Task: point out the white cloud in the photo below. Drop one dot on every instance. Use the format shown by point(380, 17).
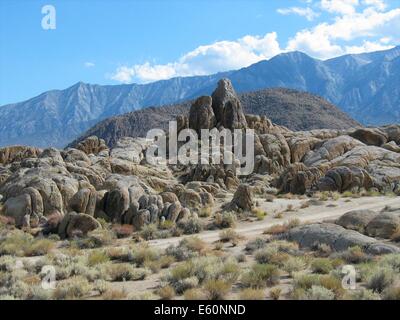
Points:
point(367, 46)
point(89, 64)
point(323, 40)
point(344, 7)
point(207, 59)
point(308, 13)
point(354, 26)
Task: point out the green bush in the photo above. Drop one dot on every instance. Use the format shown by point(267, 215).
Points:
point(321, 265)
point(261, 275)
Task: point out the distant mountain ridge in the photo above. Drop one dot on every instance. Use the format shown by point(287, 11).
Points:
point(287, 107)
point(366, 86)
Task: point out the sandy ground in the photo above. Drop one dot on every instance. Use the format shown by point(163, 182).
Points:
point(329, 210)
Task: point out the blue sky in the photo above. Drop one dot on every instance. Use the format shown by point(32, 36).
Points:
point(125, 41)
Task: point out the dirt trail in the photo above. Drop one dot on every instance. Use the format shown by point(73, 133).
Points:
point(310, 214)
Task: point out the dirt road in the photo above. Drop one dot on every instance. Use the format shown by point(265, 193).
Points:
point(330, 210)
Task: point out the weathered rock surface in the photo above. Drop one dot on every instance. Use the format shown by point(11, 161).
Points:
point(242, 199)
point(338, 238)
point(357, 220)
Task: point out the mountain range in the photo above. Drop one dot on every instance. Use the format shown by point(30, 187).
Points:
point(366, 86)
point(287, 107)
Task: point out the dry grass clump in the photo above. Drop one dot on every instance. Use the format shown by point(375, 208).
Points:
point(230, 235)
point(114, 294)
point(166, 293)
point(149, 232)
point(303, 287)
point(189, 274)
point(22, 244)
point(260, 276)
point(256, 244)
point(143, 254)
point(194, 294)
point(294, 264)
point(355, 255)
point(271, 255)
point(73, 288)
point(188, 248)
point(282, 228)
point(217, 289)
point(97, 257)
point(190, 226)
point(322, 265)
point(380, 279)
point(248, 294)
point(225, 220)
point(392, 292)
point(95, 239)
point(259, 214)
point(275, 293)
point(123, 272)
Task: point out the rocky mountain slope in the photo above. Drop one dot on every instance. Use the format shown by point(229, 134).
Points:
point(364, 85)
point(293, 109)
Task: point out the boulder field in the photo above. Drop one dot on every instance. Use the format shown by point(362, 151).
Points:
point(68, 191)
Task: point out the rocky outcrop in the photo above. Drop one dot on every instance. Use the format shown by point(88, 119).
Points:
point(336, 237)
point(384, 225)
point(370, 136)
point(227, 106)
point(242, 199)
point(201, 115)
point(92, 145)
point(17, 153)
point(357, 220)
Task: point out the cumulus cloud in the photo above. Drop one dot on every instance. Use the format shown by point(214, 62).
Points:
point(308, 13)
point(207, 59)
point(322, 40)
point(353, 26)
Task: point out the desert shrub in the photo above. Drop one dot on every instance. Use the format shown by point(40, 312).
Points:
point(225, 220)
point(95, 239)
point(149, 232)
point(282, 228)
point(248, 294)
point(166, 293)
point(259, 214)
point(142, 296)
point(391, 261)
point(73, 288)
point(143, 254)
point(260, 276)
point(229, 235)
point(123, 272)
point(320, 293)
point(380, 278)
point(294, 264)
point(392, 293)
point(275, 293)
point(190, 226)
point(256, 244)
point(217, 289)
point(20, 243)
point(7, 263)
point(306, 281)
point(123, 231)
point(101, 286)
point(188, 248)
point(321, 265)
point(362, 294)
point(355, 255)
point(167, 225)
point(97, 257)
point(114, 294)
point(271, 255)
point(202, 269)
point(194, 294)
